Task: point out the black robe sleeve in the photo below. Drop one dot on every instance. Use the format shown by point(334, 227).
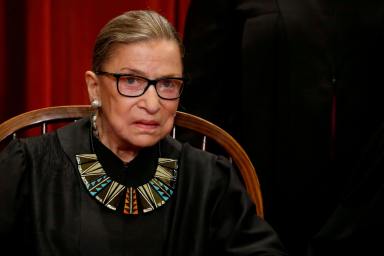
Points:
point(235, 223)
point(13, 193)
point(214, 213)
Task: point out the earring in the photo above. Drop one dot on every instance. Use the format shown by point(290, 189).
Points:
point(94, 127)
point(95, 104)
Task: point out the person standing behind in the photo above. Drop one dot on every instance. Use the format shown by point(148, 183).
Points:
point(298, 83)
point(355, 226)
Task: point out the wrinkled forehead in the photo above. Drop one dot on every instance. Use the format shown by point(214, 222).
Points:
point(144, 50)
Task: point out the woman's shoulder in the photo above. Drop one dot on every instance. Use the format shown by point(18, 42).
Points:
point(192, 153)
point(43, 144)
point(200, 164)
point(30, 153)
point(37, 146)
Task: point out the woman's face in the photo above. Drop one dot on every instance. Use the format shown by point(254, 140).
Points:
point(131, 123)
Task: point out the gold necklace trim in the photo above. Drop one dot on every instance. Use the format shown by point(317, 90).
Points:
point(143, 199)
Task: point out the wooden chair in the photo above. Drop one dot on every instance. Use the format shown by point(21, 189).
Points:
point(210, 133)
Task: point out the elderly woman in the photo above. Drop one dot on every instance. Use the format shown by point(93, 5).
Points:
point(115, 183)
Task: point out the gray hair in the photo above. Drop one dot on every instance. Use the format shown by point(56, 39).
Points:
point(131, 27)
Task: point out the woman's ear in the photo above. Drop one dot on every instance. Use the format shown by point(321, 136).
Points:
point(92, 82)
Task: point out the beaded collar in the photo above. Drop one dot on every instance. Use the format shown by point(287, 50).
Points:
point(141, 186)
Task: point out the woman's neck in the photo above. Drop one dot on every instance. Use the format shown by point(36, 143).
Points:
point(125, 155)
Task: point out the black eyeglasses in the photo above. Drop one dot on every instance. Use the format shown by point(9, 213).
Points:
point(168, 88)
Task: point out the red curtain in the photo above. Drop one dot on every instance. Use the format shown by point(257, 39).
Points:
point(46, 46)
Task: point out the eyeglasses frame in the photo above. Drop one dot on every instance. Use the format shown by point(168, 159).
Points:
point(150, 82)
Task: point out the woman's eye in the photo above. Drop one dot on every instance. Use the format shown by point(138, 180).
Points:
point(131, 80)
point(167, 83)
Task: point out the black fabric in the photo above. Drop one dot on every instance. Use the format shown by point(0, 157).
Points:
point(272, 73)
point(355, 227)
point(136, 173)
point(46, 210)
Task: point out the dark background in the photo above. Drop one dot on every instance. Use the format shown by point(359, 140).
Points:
point(300, 84)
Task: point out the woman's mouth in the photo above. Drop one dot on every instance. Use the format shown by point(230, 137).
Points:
point(147, 125)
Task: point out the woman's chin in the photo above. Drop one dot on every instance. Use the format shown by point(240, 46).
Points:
point(143, 141)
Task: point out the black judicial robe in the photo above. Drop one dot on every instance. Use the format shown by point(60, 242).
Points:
point(356, 225)
point(299, 84)
point(46, 210)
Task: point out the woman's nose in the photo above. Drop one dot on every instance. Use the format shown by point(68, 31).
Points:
point(150, 100)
